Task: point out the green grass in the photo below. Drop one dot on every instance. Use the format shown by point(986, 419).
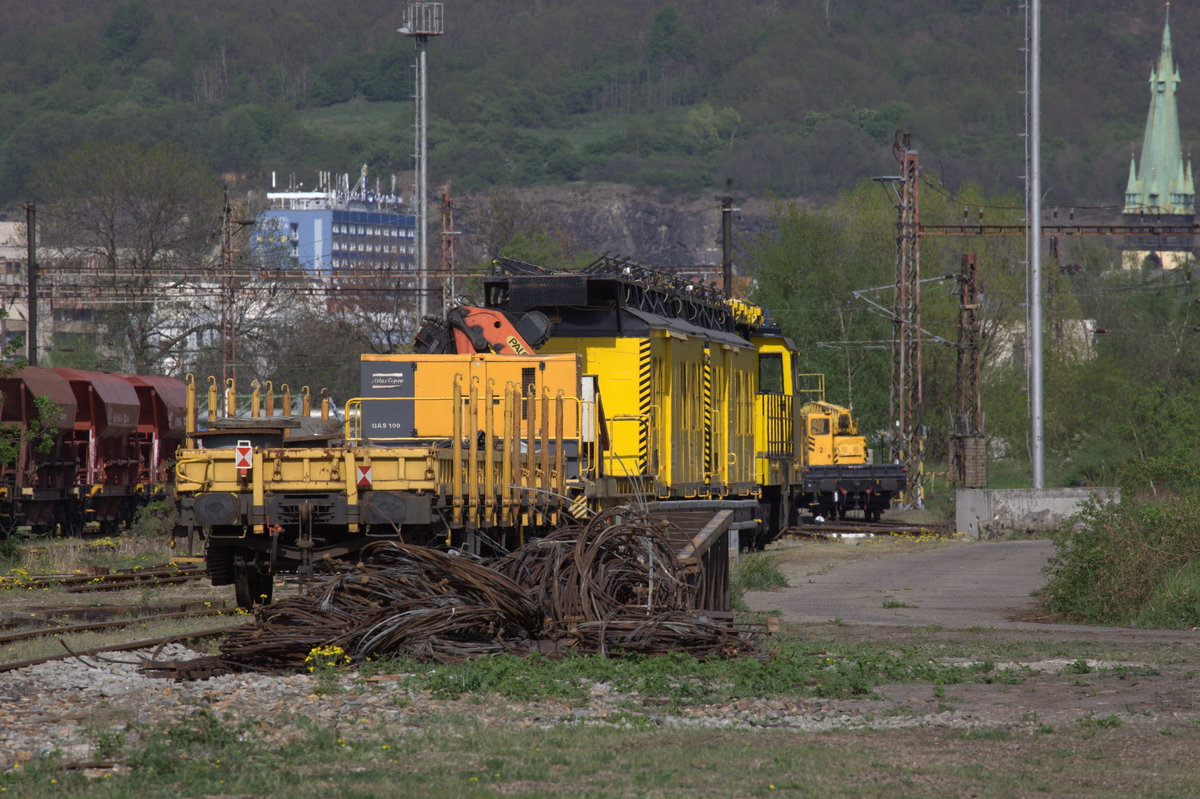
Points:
point(453, 755)
point(1008, 473)
point(799, 667)
point(455, 745)
point(1175, 601)
point(147, 542)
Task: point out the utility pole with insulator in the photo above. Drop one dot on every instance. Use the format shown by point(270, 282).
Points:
point(448, 234)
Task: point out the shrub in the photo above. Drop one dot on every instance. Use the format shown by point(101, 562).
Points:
point(155, 520)
point(1136, 561)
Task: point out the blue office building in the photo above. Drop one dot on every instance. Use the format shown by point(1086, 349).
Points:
point(337, 229)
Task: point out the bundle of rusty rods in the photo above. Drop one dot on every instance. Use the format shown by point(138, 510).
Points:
point(612, 586)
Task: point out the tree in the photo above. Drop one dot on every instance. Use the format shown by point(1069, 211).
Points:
point(670, 40)
point(131, 230)
point(319, 342)
point(38, 432)
point(127, 27)
point(806, 272)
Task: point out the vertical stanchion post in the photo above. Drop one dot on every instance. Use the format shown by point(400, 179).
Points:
point(544, 494)
point(456, 450)
point(190, 423)
point(560, 487)
point(489, 461)
point(473, 454)
point(506, 466)
point(529, 475)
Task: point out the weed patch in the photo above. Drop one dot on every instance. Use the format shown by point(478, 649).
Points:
point(757, 571)
point(796, 668)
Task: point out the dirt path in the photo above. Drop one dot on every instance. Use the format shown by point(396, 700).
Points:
point(962, 585)
point(963, 602)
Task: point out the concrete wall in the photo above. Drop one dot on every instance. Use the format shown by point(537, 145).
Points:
point(989, 514)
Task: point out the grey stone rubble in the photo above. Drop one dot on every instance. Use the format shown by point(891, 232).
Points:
point(68, 707)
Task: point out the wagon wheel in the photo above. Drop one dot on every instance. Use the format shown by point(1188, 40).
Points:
point(251, 585)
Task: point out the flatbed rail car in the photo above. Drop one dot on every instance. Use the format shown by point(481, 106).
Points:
point(511, 461)
point(677, 395)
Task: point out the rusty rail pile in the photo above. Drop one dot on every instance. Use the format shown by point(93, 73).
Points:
point(400, 599)
point(618, 584)
point(612, 586)
point(592, 573)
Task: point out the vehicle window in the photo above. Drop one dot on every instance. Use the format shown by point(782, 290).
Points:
point(770, 373)
point(819, 426)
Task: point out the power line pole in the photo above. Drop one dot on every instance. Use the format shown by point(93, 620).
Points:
point(228, 325)
point(31, 270)
point(228, 289)
point(727, 244)
point(906, 390)
point(968, 463)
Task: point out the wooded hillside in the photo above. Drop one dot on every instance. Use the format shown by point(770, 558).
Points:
point(795, 99)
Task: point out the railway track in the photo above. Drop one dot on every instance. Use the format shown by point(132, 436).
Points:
point(40, 632)
point(123, 646)
point(112, 581)
point(65, 622)
point(107, 622)
point(855, 528)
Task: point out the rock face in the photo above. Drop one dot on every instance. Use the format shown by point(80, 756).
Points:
point(630, 223)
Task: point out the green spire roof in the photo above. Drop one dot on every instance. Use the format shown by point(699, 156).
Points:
point(1162, 183)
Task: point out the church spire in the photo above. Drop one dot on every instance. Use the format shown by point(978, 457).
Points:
point(1162, 183)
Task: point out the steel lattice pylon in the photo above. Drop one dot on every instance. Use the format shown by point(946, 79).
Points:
point(906, 391)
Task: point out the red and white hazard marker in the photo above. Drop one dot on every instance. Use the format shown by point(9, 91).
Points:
point(243, 457)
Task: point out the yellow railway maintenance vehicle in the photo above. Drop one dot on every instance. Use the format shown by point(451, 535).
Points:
point(676, 375)
point(837, 473)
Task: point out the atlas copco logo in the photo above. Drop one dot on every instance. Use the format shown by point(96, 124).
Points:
point(387, 380)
